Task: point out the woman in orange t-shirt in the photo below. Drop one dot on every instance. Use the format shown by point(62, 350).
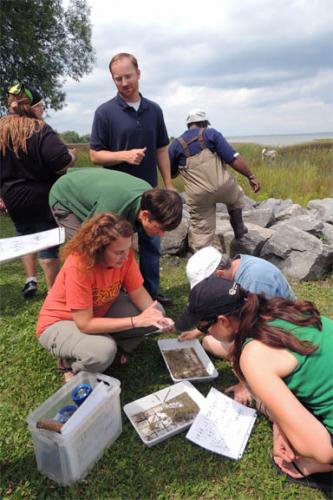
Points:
point(86, 315)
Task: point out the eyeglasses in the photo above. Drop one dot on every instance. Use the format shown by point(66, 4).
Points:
point(18, 88)
point(203, 328)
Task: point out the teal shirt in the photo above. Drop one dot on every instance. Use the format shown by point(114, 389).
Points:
point(89, 191)
point(260, 276)
point(312, 380)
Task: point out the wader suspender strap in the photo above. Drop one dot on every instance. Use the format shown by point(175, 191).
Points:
point(186, 144)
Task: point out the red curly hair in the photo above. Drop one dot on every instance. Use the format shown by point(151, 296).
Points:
point(95, 235)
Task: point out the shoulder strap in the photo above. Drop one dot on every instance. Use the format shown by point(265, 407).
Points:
point(186, 144)
point(201, 139)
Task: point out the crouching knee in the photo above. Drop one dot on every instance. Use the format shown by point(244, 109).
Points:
point(100, 355)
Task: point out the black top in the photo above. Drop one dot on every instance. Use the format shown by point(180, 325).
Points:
point(118, 127)
point(25, 182)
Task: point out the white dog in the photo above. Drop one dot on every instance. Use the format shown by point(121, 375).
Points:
point(270, 154)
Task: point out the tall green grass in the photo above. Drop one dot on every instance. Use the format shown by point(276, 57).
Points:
point(302, 172)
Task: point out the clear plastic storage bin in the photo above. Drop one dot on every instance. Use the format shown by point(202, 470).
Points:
point(68, 457)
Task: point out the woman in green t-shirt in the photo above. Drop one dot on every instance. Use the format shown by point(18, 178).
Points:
point(283, 350)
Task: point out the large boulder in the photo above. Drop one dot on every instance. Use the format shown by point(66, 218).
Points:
point(175, 242)
point(298, 254)
point(276, 205)
point(323, 209)
point(252, 242)
point(258, 216)
point(308, 223)
point(292, 210)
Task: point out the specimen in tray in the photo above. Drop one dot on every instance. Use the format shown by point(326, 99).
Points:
point(184, 363)
point(166, 416)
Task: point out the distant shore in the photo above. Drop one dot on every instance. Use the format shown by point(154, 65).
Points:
point(280, 140)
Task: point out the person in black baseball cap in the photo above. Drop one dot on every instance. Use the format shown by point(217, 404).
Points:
point(210, 298)
point(283, 350)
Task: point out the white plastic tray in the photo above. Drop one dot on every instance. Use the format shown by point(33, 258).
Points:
point(169, 344)
point(153, 400)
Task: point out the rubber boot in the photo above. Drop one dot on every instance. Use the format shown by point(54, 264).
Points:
point(237, 224)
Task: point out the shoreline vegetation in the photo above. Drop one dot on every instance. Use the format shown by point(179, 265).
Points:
point(176, 468)
point(301, 172)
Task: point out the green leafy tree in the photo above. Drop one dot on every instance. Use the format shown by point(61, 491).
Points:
point(70, 137)
point(43, 43)
point(85, 138)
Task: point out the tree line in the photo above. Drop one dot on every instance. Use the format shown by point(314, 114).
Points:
point(72, 137)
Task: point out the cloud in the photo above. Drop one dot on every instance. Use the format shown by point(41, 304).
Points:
point(256, 66)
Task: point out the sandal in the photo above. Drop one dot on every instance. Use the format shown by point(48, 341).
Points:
point(66, 371)
point(122, 358)
point(320, 480)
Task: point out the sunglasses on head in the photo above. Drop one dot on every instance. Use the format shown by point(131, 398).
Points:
point(18, 88)
point(203, 328)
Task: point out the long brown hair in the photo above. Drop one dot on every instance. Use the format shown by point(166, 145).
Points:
point(95, 235)
point(18, 127)
point(254, 324)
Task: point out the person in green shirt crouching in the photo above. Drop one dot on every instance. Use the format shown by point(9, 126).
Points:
point(84, 192)
point(283, 351)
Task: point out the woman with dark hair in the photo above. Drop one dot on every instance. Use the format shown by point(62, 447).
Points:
point(32, 157)
point(86, 315)
point(283, 350)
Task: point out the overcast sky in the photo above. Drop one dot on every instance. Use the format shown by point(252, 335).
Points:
point(256, 66)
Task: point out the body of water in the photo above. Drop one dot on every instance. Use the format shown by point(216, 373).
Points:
point(281, 140)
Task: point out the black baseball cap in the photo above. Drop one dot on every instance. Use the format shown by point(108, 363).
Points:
point(210, 297)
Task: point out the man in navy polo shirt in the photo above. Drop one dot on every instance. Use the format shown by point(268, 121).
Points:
point(199, 155)
point(129, 135)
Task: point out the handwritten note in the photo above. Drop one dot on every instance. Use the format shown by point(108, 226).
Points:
point(11, 248)
point(222, 425)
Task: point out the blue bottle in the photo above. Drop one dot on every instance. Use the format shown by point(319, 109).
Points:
point(65, 413)
point(80, 393)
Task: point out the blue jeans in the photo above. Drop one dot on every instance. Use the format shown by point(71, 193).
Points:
point(149, 256)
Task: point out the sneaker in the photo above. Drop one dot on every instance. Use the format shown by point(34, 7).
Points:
point(30, 289)
point(164, 300)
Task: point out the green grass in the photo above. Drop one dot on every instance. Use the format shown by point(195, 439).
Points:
point(302, 172)
point(174, 469)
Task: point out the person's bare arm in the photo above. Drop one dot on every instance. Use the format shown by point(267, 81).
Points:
point(263, 368)
point(141, 298)
point(87, 323)
point(240, 166)
point(109, 158)
point(163, 163)
point(189, 335)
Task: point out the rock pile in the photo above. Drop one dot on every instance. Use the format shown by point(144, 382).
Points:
point(297, 240)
